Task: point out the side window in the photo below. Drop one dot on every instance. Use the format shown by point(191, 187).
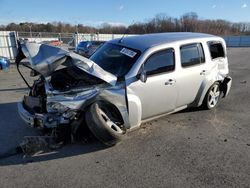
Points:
point(192, 54)
point(216, 50)
point(160, 62)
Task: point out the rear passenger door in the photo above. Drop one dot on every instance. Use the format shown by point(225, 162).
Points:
point(191, 74)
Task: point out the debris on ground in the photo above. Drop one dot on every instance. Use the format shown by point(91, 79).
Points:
point(34, 145)
point(50, 141)
point(243, 82)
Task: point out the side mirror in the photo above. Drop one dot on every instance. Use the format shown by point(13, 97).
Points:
point(4, 63)
point(143, 76)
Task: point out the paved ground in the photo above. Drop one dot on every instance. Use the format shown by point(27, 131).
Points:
point(187, 149)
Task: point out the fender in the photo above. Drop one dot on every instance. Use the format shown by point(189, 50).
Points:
point(135, 111)
point(117, 98)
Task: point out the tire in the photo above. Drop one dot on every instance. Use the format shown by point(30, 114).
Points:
point(212, 97)
point(101, 125)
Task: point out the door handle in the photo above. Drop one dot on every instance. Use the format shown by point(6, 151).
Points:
point(203, 72)
point(170, 82)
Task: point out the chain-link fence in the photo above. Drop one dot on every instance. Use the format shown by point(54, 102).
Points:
point(8, 40)
point(46, 37)
point(237, 41)
point(70, 39)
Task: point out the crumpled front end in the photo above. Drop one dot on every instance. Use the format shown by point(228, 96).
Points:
point(38, 120)
point(66, 86)
point(36, 112)
point(66, 107)
point(55, 110)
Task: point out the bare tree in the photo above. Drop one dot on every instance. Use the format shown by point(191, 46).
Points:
point(188, 22)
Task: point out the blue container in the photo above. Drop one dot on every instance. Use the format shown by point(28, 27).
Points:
point(4, 63)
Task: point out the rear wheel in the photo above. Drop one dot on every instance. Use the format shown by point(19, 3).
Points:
point(212, 97)
point(103, 124)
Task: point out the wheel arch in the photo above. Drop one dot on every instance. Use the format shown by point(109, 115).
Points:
point(102, 125)
point(205, 86)
point(118, 111)
point(112, 108)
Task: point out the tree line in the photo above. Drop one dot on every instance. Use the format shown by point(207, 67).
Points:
point(189, 22)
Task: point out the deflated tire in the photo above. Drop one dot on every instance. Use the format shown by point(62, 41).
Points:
point(102, 124)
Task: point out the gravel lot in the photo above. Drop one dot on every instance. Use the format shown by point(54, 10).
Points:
point(187, 149)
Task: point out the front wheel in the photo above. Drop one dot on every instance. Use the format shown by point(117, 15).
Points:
point(212, 97)
point(103, 125)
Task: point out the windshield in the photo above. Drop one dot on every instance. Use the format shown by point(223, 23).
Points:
point(115, 59)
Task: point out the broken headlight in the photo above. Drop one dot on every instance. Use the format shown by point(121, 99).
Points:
point(69, 114)
point(56, 107)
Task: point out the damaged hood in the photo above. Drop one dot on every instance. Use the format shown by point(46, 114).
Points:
point(45, 59)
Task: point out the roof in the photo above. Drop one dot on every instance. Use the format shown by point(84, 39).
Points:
point(143, 42)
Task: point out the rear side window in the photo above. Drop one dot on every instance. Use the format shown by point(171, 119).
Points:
point(216, 50)
point(192, 54)
point(160, 62)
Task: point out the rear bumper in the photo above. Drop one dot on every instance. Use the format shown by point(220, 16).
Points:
point(226, 85)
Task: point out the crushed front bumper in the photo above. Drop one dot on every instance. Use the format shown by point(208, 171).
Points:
point(40, 120)
point(27, 117)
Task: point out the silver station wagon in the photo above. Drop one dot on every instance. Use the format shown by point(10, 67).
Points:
point(126, 82)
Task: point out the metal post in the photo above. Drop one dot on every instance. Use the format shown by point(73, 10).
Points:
point(76, 28)
point(30, 31)
point(16, 44)
point(76, 39)
point(30, 26)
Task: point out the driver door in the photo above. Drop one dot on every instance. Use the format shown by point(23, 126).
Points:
point(158, 93)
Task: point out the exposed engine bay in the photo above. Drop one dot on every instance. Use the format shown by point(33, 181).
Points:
point(72, 78)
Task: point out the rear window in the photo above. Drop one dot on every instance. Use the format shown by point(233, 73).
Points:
point(192, 54)
point(216, 50)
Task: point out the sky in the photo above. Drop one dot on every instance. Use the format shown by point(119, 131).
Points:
point(118, 12)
